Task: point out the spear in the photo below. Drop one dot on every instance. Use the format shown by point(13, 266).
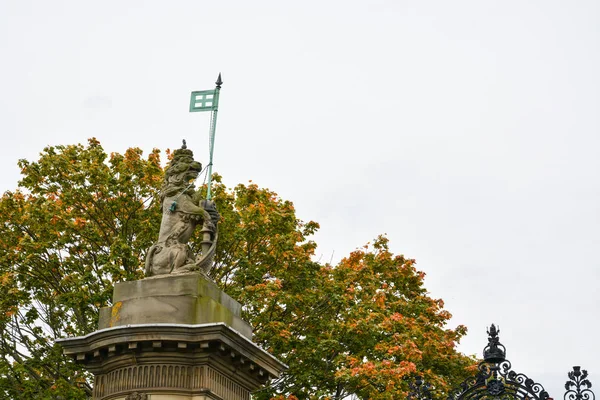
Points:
point(208, 100)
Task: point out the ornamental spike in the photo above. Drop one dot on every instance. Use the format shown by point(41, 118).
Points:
point(219, 82)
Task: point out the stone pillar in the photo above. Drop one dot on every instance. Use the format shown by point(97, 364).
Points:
point(175, 337)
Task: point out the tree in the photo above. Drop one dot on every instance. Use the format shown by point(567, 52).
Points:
point(82, 220)
point(365, 326)
point(78, 223)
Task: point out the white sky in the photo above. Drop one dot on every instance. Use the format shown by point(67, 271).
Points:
point(468, 131)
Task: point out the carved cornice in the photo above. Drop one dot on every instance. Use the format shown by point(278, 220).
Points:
point(105, 350)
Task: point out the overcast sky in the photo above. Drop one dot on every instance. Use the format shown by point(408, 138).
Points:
point(468, 131)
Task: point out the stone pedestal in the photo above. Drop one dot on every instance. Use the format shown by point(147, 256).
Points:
point(172, 338)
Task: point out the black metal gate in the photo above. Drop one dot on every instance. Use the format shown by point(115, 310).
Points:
point(496, 380)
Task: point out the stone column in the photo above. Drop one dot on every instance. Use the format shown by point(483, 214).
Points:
point(175, 337)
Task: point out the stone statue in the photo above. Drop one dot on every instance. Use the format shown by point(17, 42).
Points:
point(182, 210)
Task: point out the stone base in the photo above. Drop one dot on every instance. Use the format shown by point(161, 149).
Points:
point(168, 361)
point(175, 299)
point(177, 337)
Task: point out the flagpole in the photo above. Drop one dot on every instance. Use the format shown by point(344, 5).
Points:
point(213, 128)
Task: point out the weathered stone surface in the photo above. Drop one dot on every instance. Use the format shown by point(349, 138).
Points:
point(177, 337)
point(174, 299)
point(183, 209)
point(180, 361)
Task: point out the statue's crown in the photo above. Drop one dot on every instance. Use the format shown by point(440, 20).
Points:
point(182, 152)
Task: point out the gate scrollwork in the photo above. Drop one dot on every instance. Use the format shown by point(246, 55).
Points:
point(495, 380)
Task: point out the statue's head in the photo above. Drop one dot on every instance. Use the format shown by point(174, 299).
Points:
point(181, 172)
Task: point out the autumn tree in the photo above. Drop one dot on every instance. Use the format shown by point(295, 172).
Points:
point(81, 220)
point(77, 224)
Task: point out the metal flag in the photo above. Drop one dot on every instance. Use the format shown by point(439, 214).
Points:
point(204, 100)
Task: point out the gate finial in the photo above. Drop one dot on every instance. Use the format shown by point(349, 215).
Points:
point(578, 386)
point(494, 352)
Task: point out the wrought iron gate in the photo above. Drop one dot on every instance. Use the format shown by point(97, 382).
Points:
point(496, 380)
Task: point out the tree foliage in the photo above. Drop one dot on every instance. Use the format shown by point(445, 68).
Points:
point(81, 220)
